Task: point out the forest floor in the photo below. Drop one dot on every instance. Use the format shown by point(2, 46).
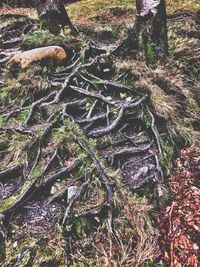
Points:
point(105, 173)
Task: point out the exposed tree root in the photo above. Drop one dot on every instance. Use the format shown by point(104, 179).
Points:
point(106, 183)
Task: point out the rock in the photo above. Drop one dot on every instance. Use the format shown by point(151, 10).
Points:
point(15, 244)
point(49, 55)
point(53, 190)
point(71, 192)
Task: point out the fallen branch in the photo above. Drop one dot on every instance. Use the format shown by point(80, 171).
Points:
point(73, 104)
point(94, 211)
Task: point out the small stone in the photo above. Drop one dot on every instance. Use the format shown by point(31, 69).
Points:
point(128, 98)
point(71, 192)
point(122, 95)
point(106, 70)
point(53, 190)
point(195, 246)
point(15, 244)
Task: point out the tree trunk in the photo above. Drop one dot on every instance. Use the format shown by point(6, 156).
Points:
point(53, 15)
point(151, 29)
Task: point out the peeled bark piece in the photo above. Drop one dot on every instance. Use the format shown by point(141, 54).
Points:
point(151, 29)
point(49, 55)
point(53, 15)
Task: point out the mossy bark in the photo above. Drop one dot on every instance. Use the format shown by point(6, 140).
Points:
point(151, 29)
point(53, 15)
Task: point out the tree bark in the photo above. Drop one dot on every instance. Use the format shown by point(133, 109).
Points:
point(53, 15)
point(151, 29)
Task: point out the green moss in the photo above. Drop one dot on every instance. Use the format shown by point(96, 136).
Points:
point(166, 197)
point(168, 154)
point(42, 37)
point(24, 258)
point(6, 203)
point(36, 249)
point(50, 24)
point(151, 57)
point(23, 115)
point(38, 170)
point(67, 134)
point(2, 121)
point(21, 118)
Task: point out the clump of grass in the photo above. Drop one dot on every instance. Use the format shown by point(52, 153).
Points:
point(134, 228)
point(166, 106)
point(87, 10)
point(26, 84)
point(182, 6)
point(13, 148)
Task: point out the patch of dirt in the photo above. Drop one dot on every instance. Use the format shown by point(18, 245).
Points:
point(11, 186)
point(139, 170)
point(38, 216)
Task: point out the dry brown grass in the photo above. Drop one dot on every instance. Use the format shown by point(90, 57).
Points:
point(88, 10)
